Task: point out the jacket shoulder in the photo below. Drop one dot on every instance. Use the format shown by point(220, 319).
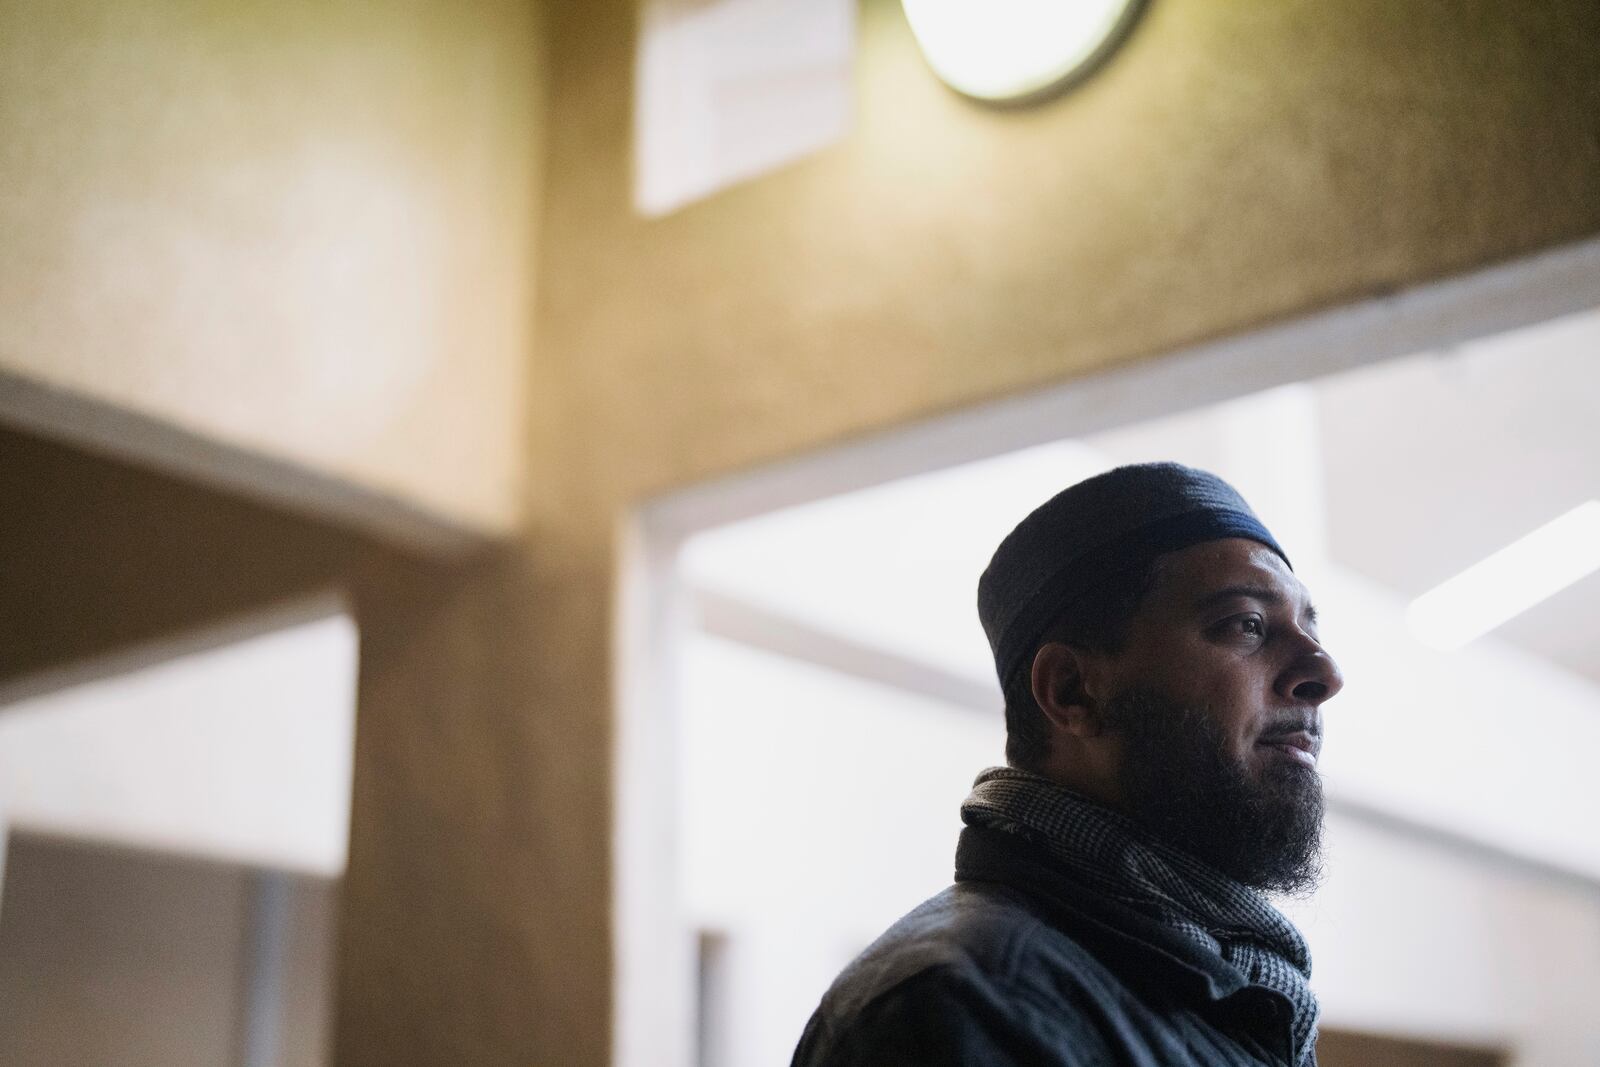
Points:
point(975, 963)
point(981, 928)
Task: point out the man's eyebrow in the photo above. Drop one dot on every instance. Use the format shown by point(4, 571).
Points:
point(1265, 594)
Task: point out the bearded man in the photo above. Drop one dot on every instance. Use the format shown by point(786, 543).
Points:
point(1163, 682)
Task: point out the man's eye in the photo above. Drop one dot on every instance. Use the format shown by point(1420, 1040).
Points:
point(1251, 624)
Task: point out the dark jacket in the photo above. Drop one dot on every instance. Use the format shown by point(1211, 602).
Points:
point(1017, 965)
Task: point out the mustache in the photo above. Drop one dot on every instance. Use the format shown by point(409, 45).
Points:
point(1291, 722)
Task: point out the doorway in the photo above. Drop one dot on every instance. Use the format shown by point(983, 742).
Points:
point(690, 628)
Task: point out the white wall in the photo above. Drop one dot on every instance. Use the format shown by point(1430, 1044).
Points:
point(1414, 937)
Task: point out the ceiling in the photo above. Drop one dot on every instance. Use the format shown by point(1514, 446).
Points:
point(1432, 463)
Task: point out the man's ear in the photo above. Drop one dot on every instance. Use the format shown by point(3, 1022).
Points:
point(1064, 684)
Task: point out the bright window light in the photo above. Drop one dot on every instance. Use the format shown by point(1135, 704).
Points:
point(1511, 581)
point(1009, 50)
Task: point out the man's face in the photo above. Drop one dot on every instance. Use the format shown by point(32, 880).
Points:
point(1216, 702)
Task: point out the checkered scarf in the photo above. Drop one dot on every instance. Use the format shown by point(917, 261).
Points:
point(1108, 854)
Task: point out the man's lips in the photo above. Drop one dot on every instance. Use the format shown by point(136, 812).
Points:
point(1302, 746)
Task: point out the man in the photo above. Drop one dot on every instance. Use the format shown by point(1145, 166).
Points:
point(1163, 680)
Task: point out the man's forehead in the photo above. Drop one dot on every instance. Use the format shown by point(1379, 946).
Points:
point(1192, 575)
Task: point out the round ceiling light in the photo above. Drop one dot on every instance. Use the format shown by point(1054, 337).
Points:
point(1015, 51)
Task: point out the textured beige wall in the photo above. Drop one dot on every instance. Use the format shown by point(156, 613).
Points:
point(1237, 162)
point(303, 229)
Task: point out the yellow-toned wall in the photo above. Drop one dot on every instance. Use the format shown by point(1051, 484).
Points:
point(1237, 162)
point(302, 229)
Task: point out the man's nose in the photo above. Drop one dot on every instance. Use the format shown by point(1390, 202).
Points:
point(1313, 677)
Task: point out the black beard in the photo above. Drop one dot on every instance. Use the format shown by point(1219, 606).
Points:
point(1180, 782)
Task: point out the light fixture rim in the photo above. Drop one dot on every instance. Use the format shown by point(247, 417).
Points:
point(1119, 32)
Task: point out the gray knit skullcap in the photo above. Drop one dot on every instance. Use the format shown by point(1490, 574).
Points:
point(1098, 531)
